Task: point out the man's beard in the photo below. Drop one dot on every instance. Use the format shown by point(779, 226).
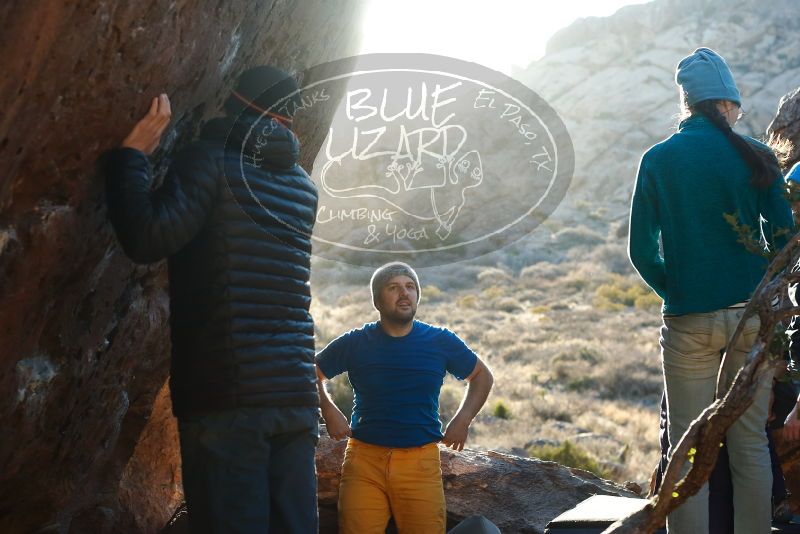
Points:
point(400, 317)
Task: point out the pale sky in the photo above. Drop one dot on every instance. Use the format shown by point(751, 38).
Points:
point(493, 33)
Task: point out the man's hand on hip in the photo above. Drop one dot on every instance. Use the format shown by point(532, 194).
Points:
point(146, 135)
point(455, 436)
point(336, 423)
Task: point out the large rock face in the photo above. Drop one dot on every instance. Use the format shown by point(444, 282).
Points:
point(84, 351)
point(612, 81)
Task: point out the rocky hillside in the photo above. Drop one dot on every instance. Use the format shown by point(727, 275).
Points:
point(612, 81)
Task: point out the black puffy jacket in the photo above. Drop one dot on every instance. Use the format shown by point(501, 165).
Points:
point(237, 232)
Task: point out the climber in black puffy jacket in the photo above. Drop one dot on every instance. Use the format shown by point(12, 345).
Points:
point(234, 218)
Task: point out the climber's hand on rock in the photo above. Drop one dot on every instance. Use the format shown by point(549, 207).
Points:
point(456, 434)
point(146, 135)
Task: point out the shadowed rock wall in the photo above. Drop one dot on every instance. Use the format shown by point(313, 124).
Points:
point(84, 351)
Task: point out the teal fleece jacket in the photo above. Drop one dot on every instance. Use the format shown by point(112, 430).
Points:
point(685, 186)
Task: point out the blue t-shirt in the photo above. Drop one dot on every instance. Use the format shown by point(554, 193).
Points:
point(397, 380)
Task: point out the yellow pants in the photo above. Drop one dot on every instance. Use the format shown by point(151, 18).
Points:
point(381, 482)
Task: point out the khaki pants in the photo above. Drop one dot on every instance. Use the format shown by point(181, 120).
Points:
point(381, 482)
point(691, 348)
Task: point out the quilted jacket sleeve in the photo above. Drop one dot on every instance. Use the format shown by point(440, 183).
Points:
point(154, 224)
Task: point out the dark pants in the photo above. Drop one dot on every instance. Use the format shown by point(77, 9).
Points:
point(251, 470)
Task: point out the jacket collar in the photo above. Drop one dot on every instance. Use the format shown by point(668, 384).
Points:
point(261, 141)
point(695, 122)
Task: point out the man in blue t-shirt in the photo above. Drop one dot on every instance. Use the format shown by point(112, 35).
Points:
point(396, 367)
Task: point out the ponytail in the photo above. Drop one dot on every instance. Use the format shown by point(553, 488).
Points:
point(762, 162)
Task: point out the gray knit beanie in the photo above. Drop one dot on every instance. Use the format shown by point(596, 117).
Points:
point(386, 272)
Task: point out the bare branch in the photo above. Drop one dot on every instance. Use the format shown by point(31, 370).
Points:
point(780, 315)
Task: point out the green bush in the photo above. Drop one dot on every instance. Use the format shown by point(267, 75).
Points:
point(569, 455)
point(622, 293)
point(500, 410)
point(648, 302)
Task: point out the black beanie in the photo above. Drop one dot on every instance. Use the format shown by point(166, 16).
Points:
point(260, 88)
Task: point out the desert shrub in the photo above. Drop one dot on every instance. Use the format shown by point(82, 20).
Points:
point(614, 257)
point(578, 236)
point(573, 366)
point(501, 410)
point(575, 282)
point(530, 251)
point(519, 351)
point(569, 455)
point(468, 301)
point(633, 381)
point(452, 276)
point(540, 309)
point(493, 276)
point(648, 301)
point(508, 304)
point(432, 293)
point(493, 292)
point(566, 372)
point(549, 409)
point(622, 293)
point(578, 354)
point(544, 270)
point(581, 383)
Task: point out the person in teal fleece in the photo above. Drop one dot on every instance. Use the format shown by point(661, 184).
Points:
point(688, 189)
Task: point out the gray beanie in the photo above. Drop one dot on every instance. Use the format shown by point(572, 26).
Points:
point(704, 75)
point(386, 272)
